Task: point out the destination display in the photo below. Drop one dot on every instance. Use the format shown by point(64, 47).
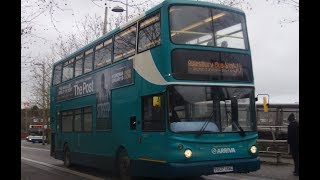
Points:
point(211, 65)
point(214, 68)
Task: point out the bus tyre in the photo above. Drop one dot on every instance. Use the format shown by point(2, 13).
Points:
point(66, 159)
point(123, 164)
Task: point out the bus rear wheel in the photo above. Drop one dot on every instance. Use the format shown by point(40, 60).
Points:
point(66, 159)
point(123, 164)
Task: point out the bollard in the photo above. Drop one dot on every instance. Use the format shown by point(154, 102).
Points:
point(278, 156)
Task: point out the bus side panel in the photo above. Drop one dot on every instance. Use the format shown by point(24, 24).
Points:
point(124, 106)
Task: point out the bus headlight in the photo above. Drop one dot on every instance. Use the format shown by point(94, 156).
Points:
point(253, 149)
point(188, 153)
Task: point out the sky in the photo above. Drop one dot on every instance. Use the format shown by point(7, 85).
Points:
point(274, 46)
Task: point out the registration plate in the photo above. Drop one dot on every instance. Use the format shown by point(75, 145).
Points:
point(223, 169)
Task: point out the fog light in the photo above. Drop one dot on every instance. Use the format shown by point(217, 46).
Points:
point(188, 153)
point(253, 149)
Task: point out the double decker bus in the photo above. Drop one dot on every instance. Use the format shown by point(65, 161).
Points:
point(168, 94)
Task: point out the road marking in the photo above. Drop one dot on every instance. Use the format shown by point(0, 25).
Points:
point(240, 177)
point(35, 148)
point(227, 177)
point(64, 169)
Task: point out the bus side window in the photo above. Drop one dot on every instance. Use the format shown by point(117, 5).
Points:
point(57, 74)
point(153, 113)
point(149, 33)
point(88, 59)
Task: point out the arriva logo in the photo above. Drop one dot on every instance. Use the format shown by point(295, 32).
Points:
point(222, 150)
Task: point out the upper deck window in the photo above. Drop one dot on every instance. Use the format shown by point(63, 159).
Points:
point(67, 70)
point(125, 43)
point(149, 33)
point(88, 61)
point(103, 54)
point(57, 74)
point(78, 65)
point(205, 26)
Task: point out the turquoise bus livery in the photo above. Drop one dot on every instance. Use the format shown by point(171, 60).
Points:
point(168, 94)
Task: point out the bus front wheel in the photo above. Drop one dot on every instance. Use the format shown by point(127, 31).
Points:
point(66, 159)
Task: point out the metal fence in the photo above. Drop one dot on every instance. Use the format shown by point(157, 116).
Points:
point(272, 129)
point(273, 124)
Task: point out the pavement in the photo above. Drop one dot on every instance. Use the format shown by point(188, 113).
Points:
point(273, 160)
point(270, 169)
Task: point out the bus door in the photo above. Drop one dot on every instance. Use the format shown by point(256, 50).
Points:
point(64, 128)
point(153, 127)
point(134, 125)
point(57, 131)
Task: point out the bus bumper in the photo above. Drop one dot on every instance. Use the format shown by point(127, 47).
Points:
point(192, 169)
point(37, 140)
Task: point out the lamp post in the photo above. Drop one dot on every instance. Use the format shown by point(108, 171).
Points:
point(115, 9)
point(126, 10)
point(43, 100)
point(26, 106)
point(105, 24)
point(120, 9)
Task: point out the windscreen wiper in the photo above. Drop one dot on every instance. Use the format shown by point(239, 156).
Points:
point(200, 132)
point(234, 114)
point(236, 123)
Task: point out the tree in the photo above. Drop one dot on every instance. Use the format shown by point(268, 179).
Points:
point(33, 9)
point(40, 90)
point(294, 4)
point(87, 30)
point(242, 4)
point(63, 47)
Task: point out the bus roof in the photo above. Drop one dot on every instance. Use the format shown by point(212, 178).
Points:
point(204, 3)
point(127, 24)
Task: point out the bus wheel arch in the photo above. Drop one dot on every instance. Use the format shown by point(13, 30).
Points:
point(122, 164)
point(66, 155)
